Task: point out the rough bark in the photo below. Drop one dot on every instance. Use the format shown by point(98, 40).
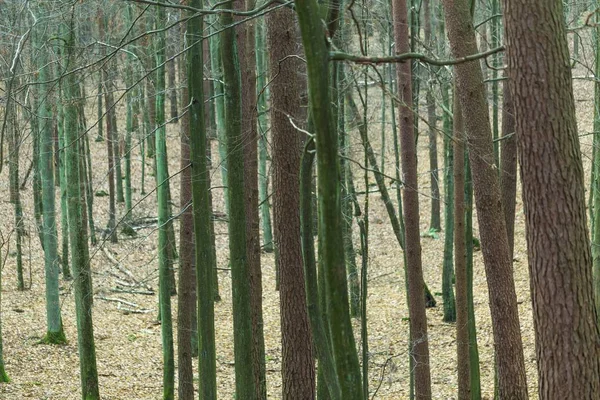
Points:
point(418, 319)
point(298, 372)
point(246, 46)
point(186, 292)
point(492, 227)
point(560, 264)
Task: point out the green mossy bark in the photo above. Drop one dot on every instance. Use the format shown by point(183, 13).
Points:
point(51, 259)
point(327, 384)
point(164, 255)
point(448, 265)
point(330, 213)
point(200, 176)
point(80, 259)
point(242, 316)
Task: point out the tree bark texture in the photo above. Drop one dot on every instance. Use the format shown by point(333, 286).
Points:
point(560, 263)
point(419, 345)
point(298, 371)
point(492, 227)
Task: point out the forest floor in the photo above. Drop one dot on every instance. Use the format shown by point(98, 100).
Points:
point(128, 344)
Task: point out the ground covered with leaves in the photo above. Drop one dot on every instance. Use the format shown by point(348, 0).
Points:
point(127, 333)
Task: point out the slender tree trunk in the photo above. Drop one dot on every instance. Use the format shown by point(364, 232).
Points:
point(246, 45)
point(328, 385)
point(186, 293)
point(55, 333)
point(80, 260)
point(112, 208)
point(240, 271)
point(508, 165)
point(298, 372)
point(3, 375)
point(99, 137)
point(262, 108)
point(560, 263)
point(172, 73)
point(216, 68)
point(460, 265)
point(434, 222)
point(330, 226)
point(164, 255)
point(200, 179)
point(416, 305)
point(496, 251)
point(14, 147)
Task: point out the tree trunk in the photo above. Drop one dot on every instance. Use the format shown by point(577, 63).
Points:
point(262, 108)
point(55, 333)
point(240, 272)
point(330, 226)
point(80, 259)
point(560, 263)
point(164, 255)
point(200, 179)
point(460, 256)
point(508, 165)
point(416, 307)
point(186, 293)
point(434, 222)
point(298, 372)
point(496, 252)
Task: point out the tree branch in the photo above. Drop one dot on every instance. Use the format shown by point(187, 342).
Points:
point(339, 56)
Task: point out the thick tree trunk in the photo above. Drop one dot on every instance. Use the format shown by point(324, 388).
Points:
point(492, 227)
point(330, 226)
point(418, 319)
point(560, 263)
point(298, 372)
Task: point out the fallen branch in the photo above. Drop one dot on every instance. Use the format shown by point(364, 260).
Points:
point(120, 301)
point(124, 270)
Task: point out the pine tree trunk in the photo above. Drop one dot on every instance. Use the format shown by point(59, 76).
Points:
point(416, 305)
point(246, 46)
point(186, 293)
point(298, 372)
point(496, 252)
point(560, 262)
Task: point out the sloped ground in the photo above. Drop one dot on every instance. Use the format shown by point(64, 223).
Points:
point(129, 347)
